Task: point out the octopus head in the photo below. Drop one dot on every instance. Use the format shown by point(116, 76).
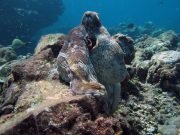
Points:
point(91, 20)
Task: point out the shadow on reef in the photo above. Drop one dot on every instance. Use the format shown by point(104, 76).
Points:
point(34, 101)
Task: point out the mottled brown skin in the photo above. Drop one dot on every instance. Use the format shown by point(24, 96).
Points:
point(110, 67)
point(92, 39)
point(74, 56)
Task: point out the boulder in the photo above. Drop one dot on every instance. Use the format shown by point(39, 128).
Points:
point(68, 115)
point(54, 41)
point(164, 70)
point(136, 31)
point(148, 46)
point(19, 75)
point(127, 45)
point(6, 54)
point(151, 45)
point(171, 37)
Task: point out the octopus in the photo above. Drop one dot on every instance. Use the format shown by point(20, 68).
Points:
point(92, 61)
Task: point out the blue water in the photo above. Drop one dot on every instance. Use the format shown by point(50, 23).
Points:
point(24, 18)
point(163, 13)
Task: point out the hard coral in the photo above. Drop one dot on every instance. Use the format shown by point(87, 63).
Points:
point(164, 70)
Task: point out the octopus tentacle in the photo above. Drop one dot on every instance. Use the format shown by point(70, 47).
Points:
point(80, 71)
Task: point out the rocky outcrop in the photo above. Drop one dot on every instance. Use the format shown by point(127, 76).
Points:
point(22, 73)
point(147, 108)
point(70, 115)
point(165, 70)
point(6, 54)
point(34, 101)
point(171, 37)
point(54, 41)
point(148, 46)
point(136, 31)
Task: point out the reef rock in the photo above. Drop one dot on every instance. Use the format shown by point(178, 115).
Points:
point(166, 41)
point(165, 70)
point(54, 41)
point(148, 46)
point(153, 45)
point(135, 31)
point(34, 100)
point(63, 115)
point(5, 69)
point(171, 37)
point(20, 74)
point(6, 54)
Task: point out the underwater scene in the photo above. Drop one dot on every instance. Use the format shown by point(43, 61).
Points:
point(97, 67)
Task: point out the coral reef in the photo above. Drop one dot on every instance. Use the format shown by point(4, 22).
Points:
point(135, 31)
point(23, 18)
point(147, 108)
point(69, 116)
point(148, 46)
point(165, 70)
point(151, 98)
point(35, 100)
point(6, 54)
point(50, 40)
